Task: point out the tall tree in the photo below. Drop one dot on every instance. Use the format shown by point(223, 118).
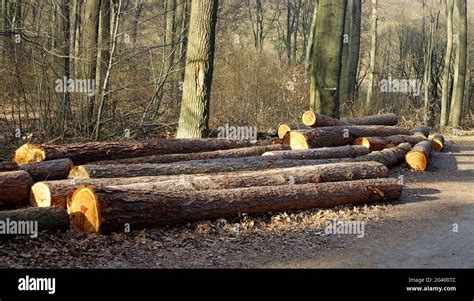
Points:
point(351, 48)
point(91, 26)
point(461, 66)
point(138, 6)
point(103, 59)
point(169, 34)
point(447, 63)
point(326, 66)
point(373, 53)
point(194, 116)
point(310, 46)
point(428, 109)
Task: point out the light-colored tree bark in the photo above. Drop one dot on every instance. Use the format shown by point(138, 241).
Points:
point(428, 109)
point(104, 63)
point(447, 63)
point(310, 46)
point(461, 66)
point(194, 116)
point(351, 48)
point(373, 53)
point(90, 30)
point(326, 69)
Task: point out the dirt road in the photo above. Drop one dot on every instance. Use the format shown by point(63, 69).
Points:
point(431, 226)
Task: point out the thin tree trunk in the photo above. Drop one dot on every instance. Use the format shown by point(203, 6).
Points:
point(461, 66)
point(447, 63)
point(373, 53)
point(351, 50)
point(194, 116)
point(310, 46)
point(427, 117)
point(91, 26)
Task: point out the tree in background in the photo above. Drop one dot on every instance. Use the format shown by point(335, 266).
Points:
point(461, 66)
point(447, 63)
point(326, 67)
point(194, 115)
point(373, 53)
point(351, 49)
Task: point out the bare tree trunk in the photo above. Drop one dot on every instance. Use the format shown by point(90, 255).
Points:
point(427, 116)
point(461, 66)
point(326, 69)
point(447, 63)
point(138, 4)
point(289, 29)
point(351, 49)
point(91, 26)
point(194, 117)
point(310, 46)
point(296, 21)
point(373, 53)
point(103, 60)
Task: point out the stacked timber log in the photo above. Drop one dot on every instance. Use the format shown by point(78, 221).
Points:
point(101, 186)
point(81, 153)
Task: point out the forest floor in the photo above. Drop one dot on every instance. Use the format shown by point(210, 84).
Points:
point(431, 226)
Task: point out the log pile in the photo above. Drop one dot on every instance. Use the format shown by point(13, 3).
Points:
point(101, 186)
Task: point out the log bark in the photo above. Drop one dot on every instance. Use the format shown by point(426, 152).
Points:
point(437, 143)
point(347, 151)
point(382, 119)
point(58, 193)
point(104, 210)
point(380, 143)
point(273, 177)
point(81, 153)
point(14, 188)
point(388, 157)
point(229, 153)
point(314, 119)
point(422, 131)
point(48, 170)
point(418, 157)
point(48, 219)
point(338, 135)
point(8, 166)
point(187, 167)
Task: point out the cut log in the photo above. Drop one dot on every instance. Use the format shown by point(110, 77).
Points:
point(382, 119)
point(229, 153)
point(388, 157)
point(58, 193)
point(284, 128)
point(44, 219)
point(422, 131)
point(48, 170)
point(418, 157)
point(187, 167)
point(104, 210)
point(314, 119)
point(273, 177)
point(379, 143)
point(338, 135)
point(347, 151)
point(14, 188)
point(8, 166)
point(437, 143)
point(81, 153)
